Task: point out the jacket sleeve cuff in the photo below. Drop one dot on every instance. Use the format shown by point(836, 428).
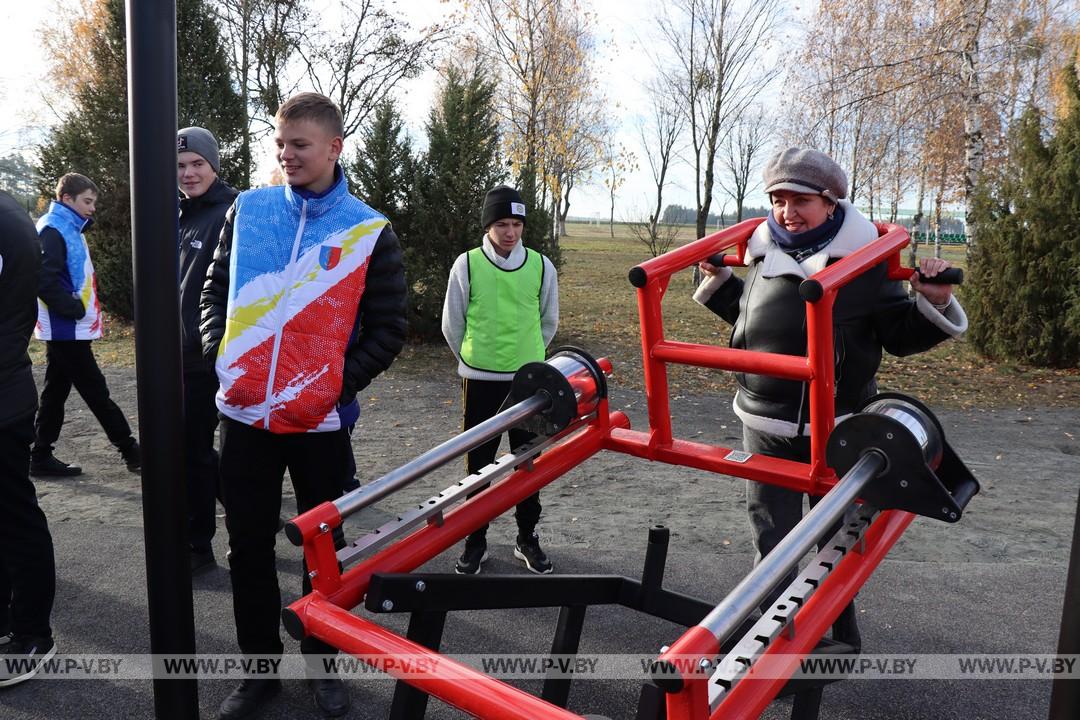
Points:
point(952, 320)
point(710, 285)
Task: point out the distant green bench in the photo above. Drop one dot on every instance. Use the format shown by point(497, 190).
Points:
point(946, 238)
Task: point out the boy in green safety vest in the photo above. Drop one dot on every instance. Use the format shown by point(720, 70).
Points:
point(501, 311)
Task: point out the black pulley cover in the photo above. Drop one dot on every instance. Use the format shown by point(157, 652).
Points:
point(922, 475)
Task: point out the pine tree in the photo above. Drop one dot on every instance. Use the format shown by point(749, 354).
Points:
point(205, 90)
point(93, 138)
point(460, 166)
point(1022, 291)
point(1067, 182)
point(381, 173)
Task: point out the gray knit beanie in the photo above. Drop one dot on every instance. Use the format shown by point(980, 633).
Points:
point(201, 142)
point(805, 171)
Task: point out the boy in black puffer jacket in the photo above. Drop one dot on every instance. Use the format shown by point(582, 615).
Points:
point(202, 213)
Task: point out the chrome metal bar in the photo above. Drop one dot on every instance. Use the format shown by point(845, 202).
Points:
point(433, 507)
point(752, 590)
point(734, 666)
point(440, 455)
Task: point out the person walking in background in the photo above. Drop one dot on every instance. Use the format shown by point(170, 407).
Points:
point(27, 564)
point(69, 319)
point(303, 306)
point(205, 199)
point(501, 311)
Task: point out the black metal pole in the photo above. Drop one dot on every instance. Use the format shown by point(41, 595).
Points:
point(151, 48)
point(1065, 695)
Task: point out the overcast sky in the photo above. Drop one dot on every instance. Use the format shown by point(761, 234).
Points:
point(623, 67)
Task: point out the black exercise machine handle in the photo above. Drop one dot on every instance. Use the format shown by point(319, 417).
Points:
point(951, 276)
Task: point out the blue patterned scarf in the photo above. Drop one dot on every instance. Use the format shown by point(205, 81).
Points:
point(809, 242)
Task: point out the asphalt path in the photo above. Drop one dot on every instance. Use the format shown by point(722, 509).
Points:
point(992, 584)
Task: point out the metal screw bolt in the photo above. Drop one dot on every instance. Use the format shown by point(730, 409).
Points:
point(421, 586)
point(843, 443)
point(387, 605)
point(705, 663)
point(313, 574)
point(889, 436)
point(945, 510)
point(903, 483)
point(324, 528)
point(952, 515)
point(664, 649)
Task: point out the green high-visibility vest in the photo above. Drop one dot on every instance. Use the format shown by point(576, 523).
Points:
point(502, 324)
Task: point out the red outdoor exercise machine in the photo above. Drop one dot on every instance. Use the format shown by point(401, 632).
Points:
point(891, 455)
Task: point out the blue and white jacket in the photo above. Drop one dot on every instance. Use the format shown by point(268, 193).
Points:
point(304, 304)
point(68, 306)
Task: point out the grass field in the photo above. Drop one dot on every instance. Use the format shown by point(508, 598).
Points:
point(599, 313)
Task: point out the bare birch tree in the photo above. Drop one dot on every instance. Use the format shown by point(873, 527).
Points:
point(659, 133)
point(264, 36)
point(716, 50)
point(552, 110)
point(744, 149)
point(360, 63)
point(988, 57)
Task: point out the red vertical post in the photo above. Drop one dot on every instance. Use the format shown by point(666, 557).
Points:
point(692, 703)
point(656, 383)
point(819, 339)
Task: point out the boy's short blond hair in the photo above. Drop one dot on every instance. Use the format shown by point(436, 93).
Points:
point(73, 185)
point(315, 107)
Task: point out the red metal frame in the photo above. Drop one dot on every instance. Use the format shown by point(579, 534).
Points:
point(324, 612)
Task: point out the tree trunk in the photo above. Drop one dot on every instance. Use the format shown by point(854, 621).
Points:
point(974, 141)
point(611, 218)
point(916, 221)
point(565, 206)
point(937, 214)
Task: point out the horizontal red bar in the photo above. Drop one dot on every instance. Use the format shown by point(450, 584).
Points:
point(671, 262)
point(416, 549)
point(840, 273)
point(687, 453)
point(452, 682)
point(792, 367)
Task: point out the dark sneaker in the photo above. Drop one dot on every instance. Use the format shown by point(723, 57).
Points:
point(132, 455)
point(470, 561)
point(6, 638)
point(246, 700)
point(49, 466)
point(21, 658)
point(202, 562)
point(528, 549)
point(330, 696)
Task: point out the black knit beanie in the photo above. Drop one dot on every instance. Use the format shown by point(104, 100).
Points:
point(502, 201)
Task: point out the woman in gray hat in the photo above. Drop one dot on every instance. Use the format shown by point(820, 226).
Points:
point(811, 225)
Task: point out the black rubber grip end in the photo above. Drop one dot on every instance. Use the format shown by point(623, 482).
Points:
point(638, 276)
point(293, 533)
point(666, 676)
point(952, 276)
point(811, 290)
point(292, 624)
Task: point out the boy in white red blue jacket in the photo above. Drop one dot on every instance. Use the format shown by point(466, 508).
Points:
point(304, 304)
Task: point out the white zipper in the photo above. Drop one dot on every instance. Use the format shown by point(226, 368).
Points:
point(283, 308)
